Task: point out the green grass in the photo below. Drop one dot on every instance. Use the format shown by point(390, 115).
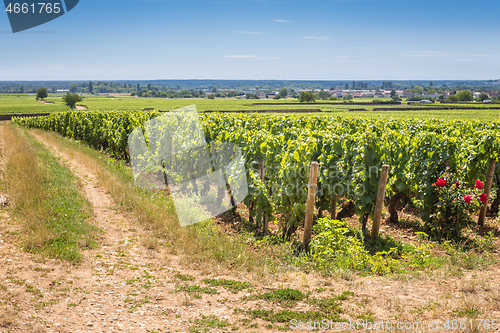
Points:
point(184, 277)
point(233, 286)
point(196, 290)
point(17, 104)
point(60, 228)
point(69, 212)
point(24, 104)
point(285, 316)
point(207, 323)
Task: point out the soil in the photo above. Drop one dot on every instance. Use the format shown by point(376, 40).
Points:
point(123, 286)
point(80, 108)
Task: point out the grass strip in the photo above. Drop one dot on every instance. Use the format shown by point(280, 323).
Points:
point(47, 202)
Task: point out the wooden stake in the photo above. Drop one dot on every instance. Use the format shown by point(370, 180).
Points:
point(487, 190)
point(311, 198)
point(380, 201)
point(333, 208)
point(262, 173)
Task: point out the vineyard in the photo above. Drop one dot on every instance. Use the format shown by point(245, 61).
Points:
point(350, 153)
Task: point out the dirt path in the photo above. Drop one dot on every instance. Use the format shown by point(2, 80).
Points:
point(80, 108)
point(121, 286)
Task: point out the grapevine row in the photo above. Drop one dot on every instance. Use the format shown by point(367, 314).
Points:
point(350, 151)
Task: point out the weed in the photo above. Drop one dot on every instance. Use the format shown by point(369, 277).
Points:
point(286, 297)
point(196, 290)
point(233, 286)
point(285, 316)
point(184, 277)
point(207, 323)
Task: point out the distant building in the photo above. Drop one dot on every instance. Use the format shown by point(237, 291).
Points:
point(430, 95)
point(62, 90)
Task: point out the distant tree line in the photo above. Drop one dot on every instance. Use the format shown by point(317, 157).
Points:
point(223, 86)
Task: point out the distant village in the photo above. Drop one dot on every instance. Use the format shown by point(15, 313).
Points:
point(354, 93)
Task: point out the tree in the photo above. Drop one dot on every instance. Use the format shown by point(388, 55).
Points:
point(42, 93)
point(431, 84)
point(214, 89)
point(393, 93)
point(418, 89)
point(453, 98)
point(283, 92)
point(482, 97)
point(323, 95)
point(71, 99)
point(396, 98)
point(346, 86)
point(91, 89)
point(465, 96)
point(21, 89)
point(138, 87)
point(348, 97)
point(211, 96)
point(307, 96)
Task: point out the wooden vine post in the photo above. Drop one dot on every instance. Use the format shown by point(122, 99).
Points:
point(311, 198)
point(380, 201)
point(487, 190)
point(262, 173)
point(333, 208)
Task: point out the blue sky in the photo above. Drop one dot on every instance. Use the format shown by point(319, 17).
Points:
point(259, 39)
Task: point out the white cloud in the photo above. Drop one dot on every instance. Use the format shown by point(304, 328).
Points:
point(248, 32)
point(281, 21)
point(430, 54)
point(317, 37)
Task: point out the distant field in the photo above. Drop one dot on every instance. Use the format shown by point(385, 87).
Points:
point(24, 104)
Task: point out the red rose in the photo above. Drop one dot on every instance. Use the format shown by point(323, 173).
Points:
point(441, 182)
point(478, 184)
point(457, 184)
point(468, 199)
point(483, 197)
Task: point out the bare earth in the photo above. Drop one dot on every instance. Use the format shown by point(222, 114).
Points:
point(122, 286)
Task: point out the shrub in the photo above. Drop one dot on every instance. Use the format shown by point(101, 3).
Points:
point(307, 96)
point(453, 203)
point(339, 245)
